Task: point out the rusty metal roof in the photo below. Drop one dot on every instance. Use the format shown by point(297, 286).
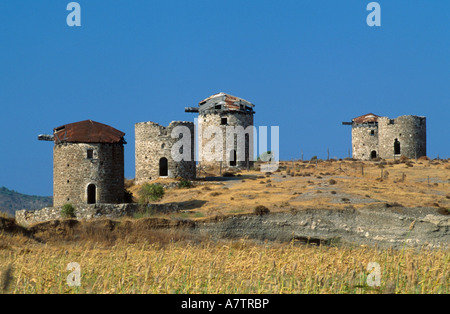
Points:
point(370, 117)
point(227, 102)
point(87, 131)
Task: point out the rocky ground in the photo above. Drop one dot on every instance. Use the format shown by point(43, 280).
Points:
point(374, 225)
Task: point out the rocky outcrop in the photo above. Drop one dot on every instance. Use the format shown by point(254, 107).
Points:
point(381, 226)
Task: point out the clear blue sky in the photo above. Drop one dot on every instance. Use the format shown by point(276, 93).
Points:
point(306, 65)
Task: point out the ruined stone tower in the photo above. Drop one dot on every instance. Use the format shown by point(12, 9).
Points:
point(162, 152)
point(374, 136)
point(88, 164)
point(225, 131)
point(403, 136)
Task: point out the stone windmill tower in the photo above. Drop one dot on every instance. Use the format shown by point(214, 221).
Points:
point(154, 151)
point(88, 163)
point(374, 136)
point(225, 131)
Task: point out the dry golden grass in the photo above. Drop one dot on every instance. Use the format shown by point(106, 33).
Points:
point(226, 267)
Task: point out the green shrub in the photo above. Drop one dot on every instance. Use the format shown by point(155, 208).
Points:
point(184, 184)
point(150, 192)
point(261, 210)
point(68, 211)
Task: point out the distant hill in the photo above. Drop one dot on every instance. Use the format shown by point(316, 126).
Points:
point(10, 201)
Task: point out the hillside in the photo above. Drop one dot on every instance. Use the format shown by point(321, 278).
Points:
point(327, 222)
point(10, 201)
point(334, 185)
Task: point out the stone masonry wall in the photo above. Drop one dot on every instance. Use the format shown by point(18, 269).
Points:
point(208, 156)
point(82, 211)
point(93, 211)
point(410, 132)
point(154, 142)
point(73, 171)
point(364, 141)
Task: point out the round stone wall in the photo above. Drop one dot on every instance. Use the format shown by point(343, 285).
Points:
point(409, 132)
point(88, 173)
point(154, 157)
point(210, 154)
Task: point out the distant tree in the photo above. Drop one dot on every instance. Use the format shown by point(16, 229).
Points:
point(150, 192)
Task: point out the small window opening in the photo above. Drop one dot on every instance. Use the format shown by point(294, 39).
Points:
point(90, 153)
point(372, 133)
point(223, 121)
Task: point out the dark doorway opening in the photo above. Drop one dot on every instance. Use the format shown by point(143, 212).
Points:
point(247, 148)
point(397, 147)
point(91, 194)
point(233, 158)
point(163, 167)
point(373, 154)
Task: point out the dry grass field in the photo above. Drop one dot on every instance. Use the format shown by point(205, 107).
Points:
point(173, 263)
point(228, 267)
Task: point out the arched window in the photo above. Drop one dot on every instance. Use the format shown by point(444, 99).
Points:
point(163, 167)
point(373, 154)
point(397, 150)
